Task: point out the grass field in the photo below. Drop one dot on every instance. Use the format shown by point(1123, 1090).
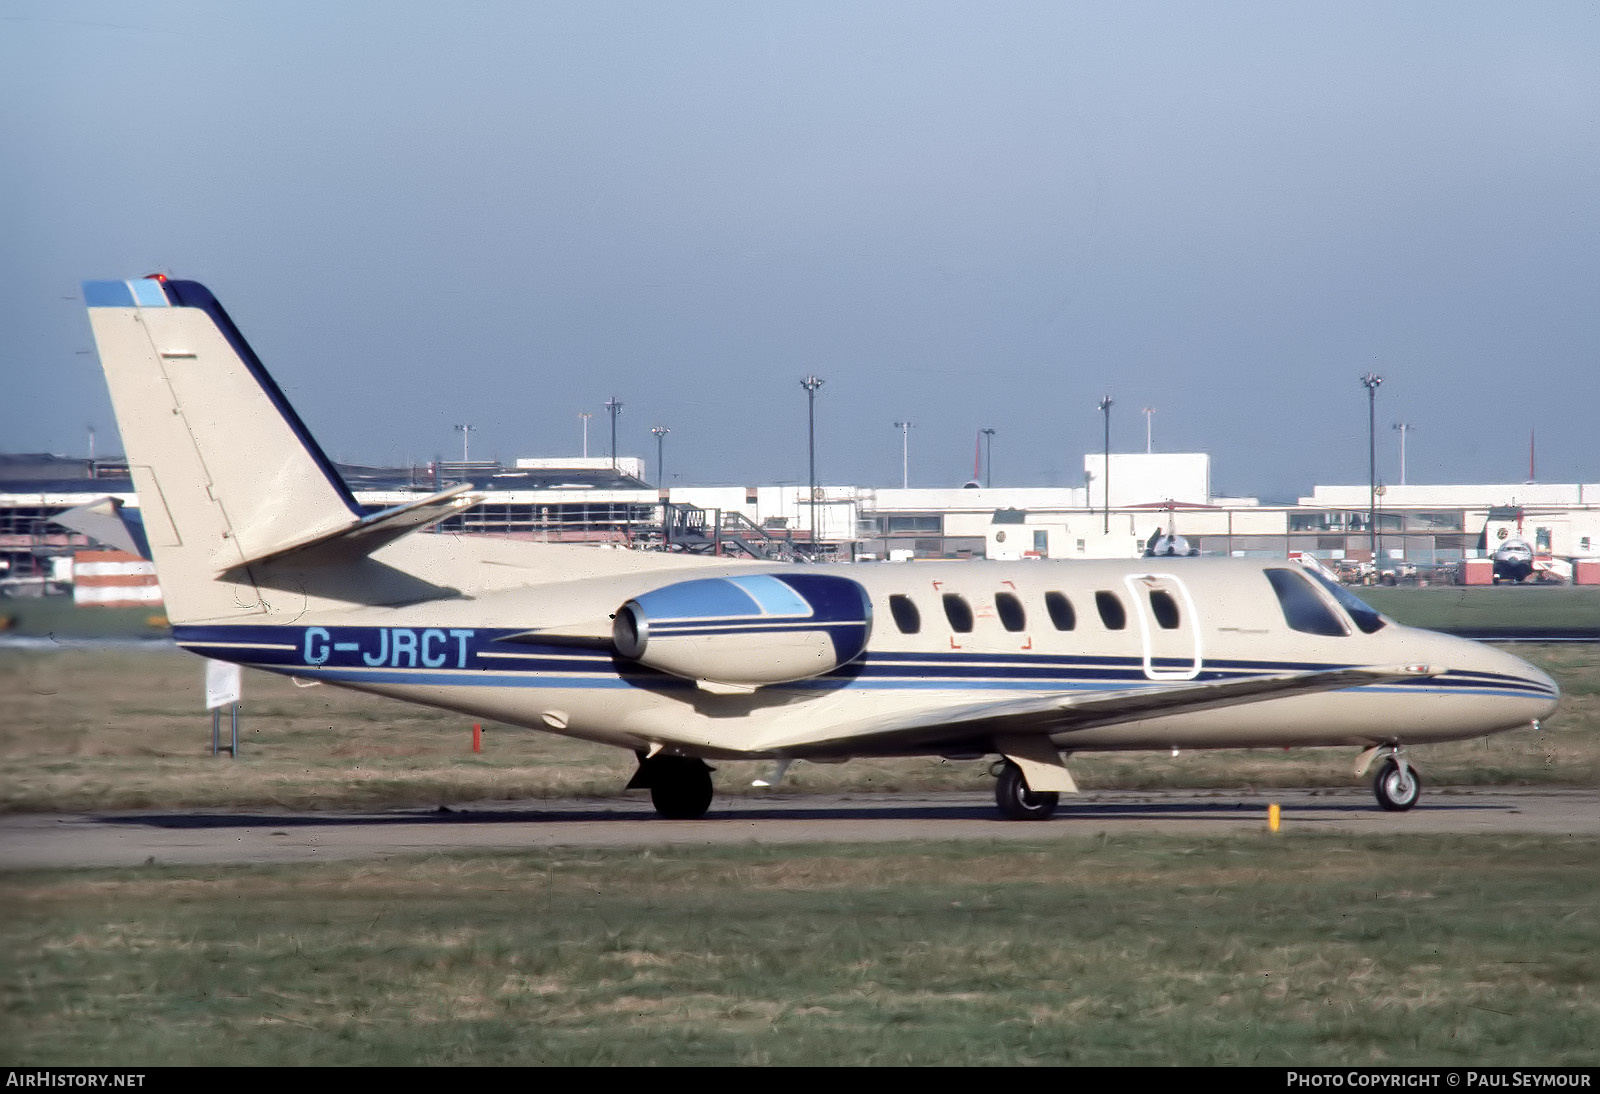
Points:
point(97, 728)
point(57, 615)
point(1306, 950)
point(1505, 609)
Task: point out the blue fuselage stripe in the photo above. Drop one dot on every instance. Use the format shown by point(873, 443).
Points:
point(482, 657)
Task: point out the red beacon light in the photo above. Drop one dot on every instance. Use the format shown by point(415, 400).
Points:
point(156, 277)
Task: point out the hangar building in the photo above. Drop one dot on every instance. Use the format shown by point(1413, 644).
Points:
point(1113, 514)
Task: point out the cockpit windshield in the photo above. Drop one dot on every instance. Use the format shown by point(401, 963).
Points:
point(1302, 608)
point(1368, 620)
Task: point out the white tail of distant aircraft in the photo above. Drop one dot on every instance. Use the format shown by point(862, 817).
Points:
point(265, 559)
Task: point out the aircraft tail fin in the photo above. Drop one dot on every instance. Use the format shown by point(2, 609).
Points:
point(228, 477)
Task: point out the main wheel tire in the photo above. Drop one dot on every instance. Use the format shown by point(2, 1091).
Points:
point(1017, 802)
point(680, 788)
point(1397, 790)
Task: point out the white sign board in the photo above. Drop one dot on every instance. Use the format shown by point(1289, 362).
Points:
point(224, 684)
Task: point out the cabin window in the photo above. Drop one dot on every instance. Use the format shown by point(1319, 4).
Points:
point(1303, 609)
point(1165, 609)
point(905, 613)
point(1061, 613)
point(1012, 617)
point(1112, 613)
point(959, 612)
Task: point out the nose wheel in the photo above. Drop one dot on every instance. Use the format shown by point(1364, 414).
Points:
point(1397, 785)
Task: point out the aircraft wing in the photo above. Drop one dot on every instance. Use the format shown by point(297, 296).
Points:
point(1061, 713)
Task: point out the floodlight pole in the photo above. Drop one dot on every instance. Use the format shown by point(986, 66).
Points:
point(661, 432)
point(1105, 476)
point(466, 431)
point(1371, 381)
point(1148, 411)
point(585, 415)
point(811, 384)
point(905, 450)
point(613, 407)
point(988, 457)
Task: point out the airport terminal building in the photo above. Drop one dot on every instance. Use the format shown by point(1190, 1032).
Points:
point(1419, 529)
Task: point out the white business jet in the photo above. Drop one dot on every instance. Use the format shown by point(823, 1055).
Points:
point(266, 559)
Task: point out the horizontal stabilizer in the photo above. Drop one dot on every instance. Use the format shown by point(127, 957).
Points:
point(108, 521)
point(1063, 713)
point(361, 537)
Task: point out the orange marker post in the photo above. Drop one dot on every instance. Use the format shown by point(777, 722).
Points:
point(477, 737)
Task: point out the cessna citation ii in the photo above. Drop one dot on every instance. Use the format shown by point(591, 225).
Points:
point(266, 559)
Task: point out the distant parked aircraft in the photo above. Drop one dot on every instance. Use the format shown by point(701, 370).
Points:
point(1516, 560)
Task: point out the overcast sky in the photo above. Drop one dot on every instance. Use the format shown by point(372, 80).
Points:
point(965, 215)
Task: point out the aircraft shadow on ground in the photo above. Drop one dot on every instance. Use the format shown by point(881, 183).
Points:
point(1250, 812)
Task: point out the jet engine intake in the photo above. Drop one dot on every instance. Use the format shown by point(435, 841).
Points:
point(747, 631)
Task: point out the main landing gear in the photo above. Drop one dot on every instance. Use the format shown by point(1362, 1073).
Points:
point(1016, 801)
point(680, 786)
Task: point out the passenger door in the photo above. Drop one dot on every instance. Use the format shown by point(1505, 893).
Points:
point(1169, 626)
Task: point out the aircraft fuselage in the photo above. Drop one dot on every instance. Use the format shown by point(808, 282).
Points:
point(984, 632)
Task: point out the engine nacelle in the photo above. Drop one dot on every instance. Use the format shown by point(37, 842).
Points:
point(747, 631)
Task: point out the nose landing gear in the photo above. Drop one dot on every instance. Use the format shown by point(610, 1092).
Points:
point(1397, 785)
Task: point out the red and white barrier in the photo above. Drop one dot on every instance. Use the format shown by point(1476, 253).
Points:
point(114, 579)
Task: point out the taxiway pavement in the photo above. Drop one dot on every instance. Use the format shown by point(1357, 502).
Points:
point(51, 841)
